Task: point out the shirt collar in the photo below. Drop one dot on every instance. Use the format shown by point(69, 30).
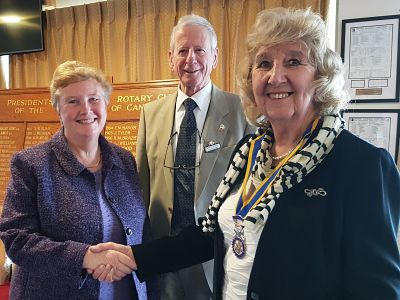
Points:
point(202, 98)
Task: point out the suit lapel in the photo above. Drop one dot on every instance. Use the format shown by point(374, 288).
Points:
point(215, 129)
point(167, 119)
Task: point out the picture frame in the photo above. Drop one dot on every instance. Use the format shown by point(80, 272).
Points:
point(380, 127)
point(370, 51)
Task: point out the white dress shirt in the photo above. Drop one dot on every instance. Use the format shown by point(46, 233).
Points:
point(202, 99)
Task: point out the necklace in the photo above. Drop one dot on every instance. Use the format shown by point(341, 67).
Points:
point(283, 155)
point(97, 164)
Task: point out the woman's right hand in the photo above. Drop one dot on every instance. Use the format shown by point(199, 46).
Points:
point(110, 265)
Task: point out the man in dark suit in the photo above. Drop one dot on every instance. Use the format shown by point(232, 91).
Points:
point(220, 123)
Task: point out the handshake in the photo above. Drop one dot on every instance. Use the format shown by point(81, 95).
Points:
point(109, 261)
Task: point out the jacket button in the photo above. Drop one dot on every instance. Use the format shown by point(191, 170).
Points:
point(128, 231)
point(111, 200)
point(254, 296)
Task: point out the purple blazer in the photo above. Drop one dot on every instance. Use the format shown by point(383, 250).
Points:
point(51, 215)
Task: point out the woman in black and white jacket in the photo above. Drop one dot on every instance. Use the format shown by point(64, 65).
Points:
point(306, 209)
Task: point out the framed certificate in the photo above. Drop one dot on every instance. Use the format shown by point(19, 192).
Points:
point(379, 127)
point(370, 50)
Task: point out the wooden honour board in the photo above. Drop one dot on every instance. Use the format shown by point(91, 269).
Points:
point(28, 118)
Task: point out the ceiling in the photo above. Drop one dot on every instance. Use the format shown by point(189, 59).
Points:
point(51, 4)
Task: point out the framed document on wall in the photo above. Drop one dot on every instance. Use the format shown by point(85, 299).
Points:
point(379, 127)
point(370, 50)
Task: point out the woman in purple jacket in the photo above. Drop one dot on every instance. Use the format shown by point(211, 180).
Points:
point(70, 192)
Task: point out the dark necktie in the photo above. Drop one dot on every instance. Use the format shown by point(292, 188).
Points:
point(184, 173)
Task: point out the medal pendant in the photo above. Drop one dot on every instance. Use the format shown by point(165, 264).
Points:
point(238, 241)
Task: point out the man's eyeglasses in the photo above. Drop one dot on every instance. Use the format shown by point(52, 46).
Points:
point(184, 167)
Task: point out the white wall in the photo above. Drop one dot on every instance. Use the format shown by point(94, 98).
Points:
point(351, 9)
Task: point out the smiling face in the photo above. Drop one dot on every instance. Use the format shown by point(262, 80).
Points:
point(282, 80)
point(82, 110)
point(192, 58)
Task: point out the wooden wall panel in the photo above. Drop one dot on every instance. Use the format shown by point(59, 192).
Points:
point(28, 118)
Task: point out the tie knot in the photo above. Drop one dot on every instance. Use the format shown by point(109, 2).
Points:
point(189, 104)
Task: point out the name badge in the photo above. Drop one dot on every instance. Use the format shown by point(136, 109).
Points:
point(211, 146)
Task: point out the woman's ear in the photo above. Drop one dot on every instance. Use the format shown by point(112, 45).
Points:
point(57, 109)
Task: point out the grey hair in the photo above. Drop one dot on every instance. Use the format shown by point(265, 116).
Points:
point(283, 25)
point(194, 20)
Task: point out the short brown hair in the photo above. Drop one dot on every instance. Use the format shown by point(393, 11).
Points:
point(74, 71)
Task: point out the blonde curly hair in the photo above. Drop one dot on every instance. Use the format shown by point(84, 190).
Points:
point(285, 25)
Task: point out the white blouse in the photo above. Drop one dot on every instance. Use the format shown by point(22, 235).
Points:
point(237, 270)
